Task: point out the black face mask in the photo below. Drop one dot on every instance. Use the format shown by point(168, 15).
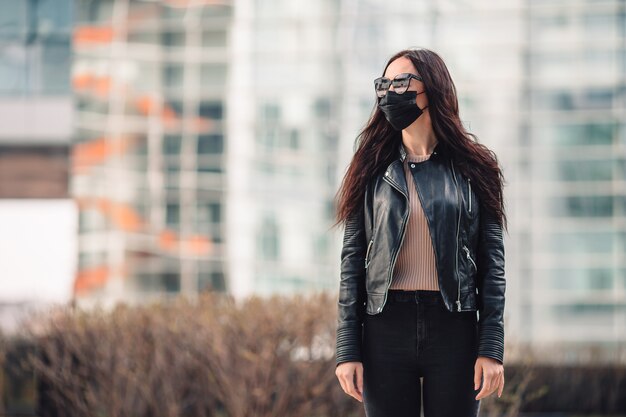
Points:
point(400, 109)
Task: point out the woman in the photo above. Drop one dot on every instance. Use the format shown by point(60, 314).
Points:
point(423, 252)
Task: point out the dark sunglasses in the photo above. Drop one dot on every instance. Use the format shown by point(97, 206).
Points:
point(400, 83)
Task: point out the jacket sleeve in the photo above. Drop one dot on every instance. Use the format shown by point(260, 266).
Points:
point(491, 285)
point(352, 292)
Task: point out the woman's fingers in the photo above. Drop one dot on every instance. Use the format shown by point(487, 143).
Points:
point(359, 381)
point(485, 388)
point(347, 373)
point(490, 382)
point(478, 375)
point(492, 376)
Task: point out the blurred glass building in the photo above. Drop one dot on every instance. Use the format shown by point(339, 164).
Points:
point(36, 214)
point(285, 123)
point(572, 165)
point(35, 99)
point(149, 161)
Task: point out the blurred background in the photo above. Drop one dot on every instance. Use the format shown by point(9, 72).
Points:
point(163, 147)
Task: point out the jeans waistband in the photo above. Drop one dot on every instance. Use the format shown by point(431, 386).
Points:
point(419, 296)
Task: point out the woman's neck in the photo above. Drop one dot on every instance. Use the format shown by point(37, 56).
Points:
point(419, 138)
point(421, 148)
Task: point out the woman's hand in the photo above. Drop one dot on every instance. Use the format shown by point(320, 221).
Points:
point(492, 373)
point(346, 372)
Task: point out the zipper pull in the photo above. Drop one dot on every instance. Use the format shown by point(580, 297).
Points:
point(368, 252)
point(468, 256)
point(458, 305)
point(469, 186)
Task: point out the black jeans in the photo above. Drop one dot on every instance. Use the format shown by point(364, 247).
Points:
point(416, 336)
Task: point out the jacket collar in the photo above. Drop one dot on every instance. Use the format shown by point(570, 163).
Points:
point(395, 172)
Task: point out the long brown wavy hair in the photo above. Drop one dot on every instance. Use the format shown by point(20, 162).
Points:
point(377, 144)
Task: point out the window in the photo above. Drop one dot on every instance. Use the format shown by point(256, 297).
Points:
point(582, 206)
point(212, 110)
point(211, 144)
point(211, 281)
point(268, 246)
point(172, 214)
point(171, 145)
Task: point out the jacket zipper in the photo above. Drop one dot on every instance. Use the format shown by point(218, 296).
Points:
point(469, 257)
point(469, 187)
point(395, 256)
point(456, 258)
point(369, 246)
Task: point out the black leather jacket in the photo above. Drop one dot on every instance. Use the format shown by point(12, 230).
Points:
point(468, 244)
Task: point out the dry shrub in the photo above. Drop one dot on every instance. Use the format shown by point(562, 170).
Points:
point(215, 357)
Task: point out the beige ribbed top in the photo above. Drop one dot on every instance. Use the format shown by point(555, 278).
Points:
point(415, 266)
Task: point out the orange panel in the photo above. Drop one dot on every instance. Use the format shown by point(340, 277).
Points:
point(92, 34)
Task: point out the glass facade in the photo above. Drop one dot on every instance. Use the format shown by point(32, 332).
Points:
point(148, 154)
point(287, 98)
point(572, 158)
point(35, 47)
